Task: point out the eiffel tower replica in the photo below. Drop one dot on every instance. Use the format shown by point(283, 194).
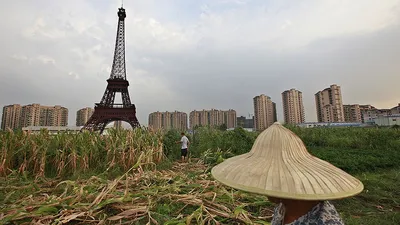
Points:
point(107, 111)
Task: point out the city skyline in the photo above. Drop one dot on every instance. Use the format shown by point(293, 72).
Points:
point(38, 115)
point(166, 56)
point(213, 117)
point(168, 120)
point(17, 116)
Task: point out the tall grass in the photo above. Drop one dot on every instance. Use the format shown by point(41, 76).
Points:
point(206, 139)
point(66, 154)
point(352, 149)
point(351, 137)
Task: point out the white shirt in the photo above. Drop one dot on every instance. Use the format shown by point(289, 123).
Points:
point(184, 141)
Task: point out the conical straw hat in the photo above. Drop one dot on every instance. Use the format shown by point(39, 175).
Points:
point(280, 166)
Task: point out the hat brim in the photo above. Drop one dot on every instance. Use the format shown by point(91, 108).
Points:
point(308, 179)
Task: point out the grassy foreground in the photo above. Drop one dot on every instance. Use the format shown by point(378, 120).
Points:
point(179, 194)
point(182, 194)
point(127, 177)
point(379, 203)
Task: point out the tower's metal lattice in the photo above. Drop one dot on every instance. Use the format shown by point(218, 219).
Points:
point(107, 111)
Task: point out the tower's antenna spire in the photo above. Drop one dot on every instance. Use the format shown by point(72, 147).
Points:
point(122, 3)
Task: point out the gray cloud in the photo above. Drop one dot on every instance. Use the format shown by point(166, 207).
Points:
point(219, 59)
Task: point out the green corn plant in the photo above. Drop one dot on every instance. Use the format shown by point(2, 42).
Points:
point(66, 153)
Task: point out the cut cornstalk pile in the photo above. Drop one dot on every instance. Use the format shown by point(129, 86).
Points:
point(184, 194)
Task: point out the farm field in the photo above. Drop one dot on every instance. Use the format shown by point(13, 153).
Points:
point(134, 178)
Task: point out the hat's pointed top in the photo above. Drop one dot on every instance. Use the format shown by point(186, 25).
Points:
point(277, 141)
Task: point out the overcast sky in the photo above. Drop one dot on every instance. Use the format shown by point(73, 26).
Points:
point(200, 54)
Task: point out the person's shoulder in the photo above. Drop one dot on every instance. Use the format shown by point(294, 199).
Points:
point(329, 214)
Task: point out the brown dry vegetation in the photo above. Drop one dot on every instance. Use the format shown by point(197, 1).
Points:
point(184, 194)
point(68, 154)
point(83, 179)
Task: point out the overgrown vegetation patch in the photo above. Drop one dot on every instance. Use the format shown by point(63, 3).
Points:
point(184, 194)
point(83, 179)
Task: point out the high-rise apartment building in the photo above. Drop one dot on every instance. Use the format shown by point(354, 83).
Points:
point(198, 118)
point(355, 112)
point(213, 118)
point(352, 113)
point(155, 120)
point(53, 116)
point(83, 115)
point(216, 117)
point(168, 120)
point(264, 112)
point(230, 118)
point(11, 117)
point(293, 109)
point(329, 104)
point(30, 115)
point(15, 116)
point(179, 120)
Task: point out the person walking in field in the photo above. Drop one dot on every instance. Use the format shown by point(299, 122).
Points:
point(184, 146)
point(302, 185)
